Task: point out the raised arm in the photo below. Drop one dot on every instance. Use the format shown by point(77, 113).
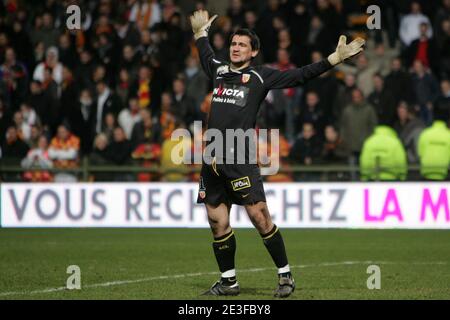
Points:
point(201, 23)
point(274, 79)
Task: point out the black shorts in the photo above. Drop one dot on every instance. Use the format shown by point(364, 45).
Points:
point(230, 183)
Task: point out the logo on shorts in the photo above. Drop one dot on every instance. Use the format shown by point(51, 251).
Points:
point(241, 183)
point(202, 189)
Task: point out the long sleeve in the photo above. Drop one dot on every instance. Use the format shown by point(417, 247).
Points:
point(207, 58)
point(275, 79)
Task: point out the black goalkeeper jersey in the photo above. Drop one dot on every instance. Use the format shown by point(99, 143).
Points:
point(237, 95)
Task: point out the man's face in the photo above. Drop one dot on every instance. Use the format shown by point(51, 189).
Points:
point(241, 50)
point(63, 133)
point(357, 96)
point(9, 55)
point(312, 99)
point(119, 135)
point(308, 131)
point(402, 112)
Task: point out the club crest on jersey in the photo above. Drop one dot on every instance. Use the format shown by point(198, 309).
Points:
point(245, 78)
point(222, 70)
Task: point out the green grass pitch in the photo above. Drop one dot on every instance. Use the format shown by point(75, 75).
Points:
point(179, 263)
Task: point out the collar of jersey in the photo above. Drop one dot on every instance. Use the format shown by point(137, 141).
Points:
point(241, 70)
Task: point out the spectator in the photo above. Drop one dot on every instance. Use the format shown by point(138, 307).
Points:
point(145, 14)
point(333, 150)
point(383, 156)
point(107, 102)
point(364, 72)
point(67, 52)
point(14, 149)
point(434, 148)
point(70, 93)
point(35, 133)
point(183, 106)
point(129, 61)
point(284, 100)
point(38, 157)
point(41, 103)
point(64, 148)
point(306, 150)
point(109, 125)
point(23, 127)
point(285, 42)
point(343, 96)
point(357, 123)
point(130, 116)
point(443, 101)
point(147, 89)
point(423, 49)
point(196, 81)
point(123, 86)
point(145, 130)
point(444, 50)
point(175, 169)
point(51, 63)
point(426, 88)
point(21, 42)
point(219, 46)
point(119, 150)
point(5, 121)
point(320, 38)
point(85, 69)
point(312, 113)
point(410, 24)
point(99, 157)
point(400, 83)
point(409, 128)
point(147, 49)
point(168, 119)
point(383, 101)
point(14, 76)
point(327, 82)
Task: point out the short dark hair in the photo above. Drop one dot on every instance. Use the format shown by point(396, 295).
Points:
point(254, 39)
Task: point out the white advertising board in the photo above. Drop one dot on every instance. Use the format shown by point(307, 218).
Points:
point(292, 205)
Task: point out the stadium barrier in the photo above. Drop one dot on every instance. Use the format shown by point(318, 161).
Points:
point(316, 172)
point(406, 205)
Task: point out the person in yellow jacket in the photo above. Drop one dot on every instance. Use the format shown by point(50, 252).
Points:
point(173, 151)
point(383, 156)
point(434, 147)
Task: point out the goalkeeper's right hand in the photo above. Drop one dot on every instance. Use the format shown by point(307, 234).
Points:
point(201, 23)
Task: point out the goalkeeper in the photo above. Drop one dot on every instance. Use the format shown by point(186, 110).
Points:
point(238, 90)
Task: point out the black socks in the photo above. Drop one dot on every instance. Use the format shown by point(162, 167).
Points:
point(224, 249)
point(275, 245)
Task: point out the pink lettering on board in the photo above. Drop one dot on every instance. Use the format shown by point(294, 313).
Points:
point(367, 215)
point(391, 198)
point(391, 207)
point(427, 203)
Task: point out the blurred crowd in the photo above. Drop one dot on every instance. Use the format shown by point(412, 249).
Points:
point(113, 91)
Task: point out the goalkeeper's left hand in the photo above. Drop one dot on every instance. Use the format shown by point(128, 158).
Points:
point(345, 51)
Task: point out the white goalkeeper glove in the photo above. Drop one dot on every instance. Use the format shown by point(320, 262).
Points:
point(345, 51)
point(201, 23)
